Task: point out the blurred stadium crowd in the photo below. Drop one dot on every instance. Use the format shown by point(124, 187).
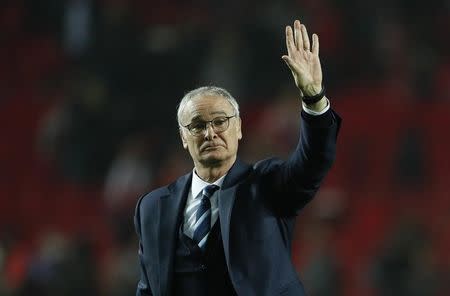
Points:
point(88, 94)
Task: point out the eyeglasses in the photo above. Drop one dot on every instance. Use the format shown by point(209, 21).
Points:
point(218, 124)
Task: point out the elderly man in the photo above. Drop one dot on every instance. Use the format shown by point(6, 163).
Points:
point(226, 227)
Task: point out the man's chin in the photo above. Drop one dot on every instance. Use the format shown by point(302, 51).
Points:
point(212, 159)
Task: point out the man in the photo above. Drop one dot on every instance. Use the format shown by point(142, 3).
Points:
point(226, 228)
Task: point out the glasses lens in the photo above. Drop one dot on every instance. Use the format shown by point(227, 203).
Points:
point(197, 128)
point(220, 124)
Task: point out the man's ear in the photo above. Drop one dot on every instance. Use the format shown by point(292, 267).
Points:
point(238, 126)
point(183, 139)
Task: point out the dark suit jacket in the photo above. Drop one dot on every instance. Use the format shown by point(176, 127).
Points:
point(257, 209)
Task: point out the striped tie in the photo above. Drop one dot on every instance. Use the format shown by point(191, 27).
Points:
point(203, 217)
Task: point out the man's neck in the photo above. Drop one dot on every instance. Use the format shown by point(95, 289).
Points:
point(211, 174)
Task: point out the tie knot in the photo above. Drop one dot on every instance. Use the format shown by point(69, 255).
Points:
point(209, 190)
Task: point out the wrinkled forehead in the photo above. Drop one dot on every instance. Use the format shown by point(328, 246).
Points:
point(206, 107)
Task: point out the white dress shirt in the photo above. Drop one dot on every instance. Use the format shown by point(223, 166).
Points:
point(193, 202)
point(197, 185)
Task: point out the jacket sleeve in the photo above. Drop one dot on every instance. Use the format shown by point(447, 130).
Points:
point(143, 287)
point(294, 182)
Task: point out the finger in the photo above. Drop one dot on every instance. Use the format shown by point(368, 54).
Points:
point(290, 63)
point(289, 40)
point(306, 44)
point(315, 44)
point(298, 35)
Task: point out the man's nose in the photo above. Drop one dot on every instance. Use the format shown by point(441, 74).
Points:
point(209, 131)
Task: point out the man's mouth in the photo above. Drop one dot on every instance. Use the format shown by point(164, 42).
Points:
point(210, 147)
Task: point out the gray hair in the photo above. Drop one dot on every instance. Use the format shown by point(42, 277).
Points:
point(206, 91)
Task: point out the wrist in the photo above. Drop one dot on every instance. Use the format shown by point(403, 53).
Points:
point(318, 106)
point(312, 90)
point(313, 99)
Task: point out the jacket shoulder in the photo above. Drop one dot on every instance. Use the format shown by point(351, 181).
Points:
point(148, 199)
point(145, 201)
point(152, 196)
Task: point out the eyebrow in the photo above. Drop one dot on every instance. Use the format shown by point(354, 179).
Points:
point(198, 117)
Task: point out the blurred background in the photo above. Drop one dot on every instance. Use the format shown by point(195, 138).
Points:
point(88, 96)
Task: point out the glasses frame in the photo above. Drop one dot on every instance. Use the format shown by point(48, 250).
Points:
point(206, 122)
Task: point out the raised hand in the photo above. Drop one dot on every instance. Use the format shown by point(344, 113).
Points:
point(303, 59)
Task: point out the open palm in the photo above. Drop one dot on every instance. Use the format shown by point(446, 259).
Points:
point(303, 59)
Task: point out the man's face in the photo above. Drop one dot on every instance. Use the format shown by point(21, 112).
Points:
point(210, 148)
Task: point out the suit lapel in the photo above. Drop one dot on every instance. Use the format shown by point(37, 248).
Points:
point(170, 217)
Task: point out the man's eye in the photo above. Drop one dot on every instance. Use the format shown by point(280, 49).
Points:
point(220, 121)
point(197, 126)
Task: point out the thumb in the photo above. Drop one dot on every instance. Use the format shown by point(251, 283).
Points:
point(289, 62)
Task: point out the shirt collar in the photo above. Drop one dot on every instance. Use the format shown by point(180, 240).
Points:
point(198, 184)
